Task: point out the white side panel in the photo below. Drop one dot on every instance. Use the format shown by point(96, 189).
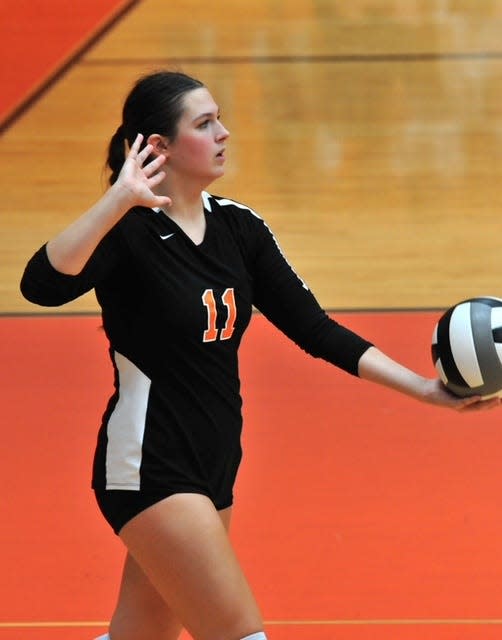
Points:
point(126, 427)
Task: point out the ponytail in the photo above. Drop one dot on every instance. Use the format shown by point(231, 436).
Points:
point(116, 153)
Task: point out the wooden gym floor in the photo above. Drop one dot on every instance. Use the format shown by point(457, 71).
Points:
point(369, 135)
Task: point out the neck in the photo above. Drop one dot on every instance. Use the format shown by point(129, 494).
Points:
point(186, 199)
point(187, 211)
point(186, 208)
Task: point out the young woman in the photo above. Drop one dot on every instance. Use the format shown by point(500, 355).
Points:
point(176, 272)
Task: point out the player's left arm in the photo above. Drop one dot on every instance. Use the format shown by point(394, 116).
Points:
point(376, 366)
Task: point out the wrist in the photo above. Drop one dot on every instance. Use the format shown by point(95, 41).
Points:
point(121, 198)
point(377, 367)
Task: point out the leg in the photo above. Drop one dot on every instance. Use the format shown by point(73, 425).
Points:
point(182, 547)
point(141, 612)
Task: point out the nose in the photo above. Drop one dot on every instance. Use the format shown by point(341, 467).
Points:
point(222, 133)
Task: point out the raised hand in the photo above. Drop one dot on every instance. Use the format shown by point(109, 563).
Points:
point(138, 180)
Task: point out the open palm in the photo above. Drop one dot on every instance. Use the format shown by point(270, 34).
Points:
point(140, 180)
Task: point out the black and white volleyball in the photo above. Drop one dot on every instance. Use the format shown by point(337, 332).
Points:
point(467, 347)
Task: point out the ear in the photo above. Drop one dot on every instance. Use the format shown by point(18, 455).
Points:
point(159, 143)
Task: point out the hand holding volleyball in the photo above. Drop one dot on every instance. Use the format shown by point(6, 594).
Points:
point(467, 348)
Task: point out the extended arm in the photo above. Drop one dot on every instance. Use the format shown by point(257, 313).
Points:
point(295, 311)
point(377, 367)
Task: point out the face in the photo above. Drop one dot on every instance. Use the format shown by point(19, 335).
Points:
point(198, 152)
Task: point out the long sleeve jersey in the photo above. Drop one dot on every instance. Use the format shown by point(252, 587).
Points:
point(174, 313)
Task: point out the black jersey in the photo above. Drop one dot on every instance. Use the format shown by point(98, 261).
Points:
point(174, 313)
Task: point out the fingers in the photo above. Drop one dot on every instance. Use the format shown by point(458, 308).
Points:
point(136, 154)
point(141, 156)
point(153, 166)
point(483, 405)
point(163, 201)
point(476, 403)
point(150, 172)
point(133, 152)
point(469, 403)
point(156, 179)
point(486, 405)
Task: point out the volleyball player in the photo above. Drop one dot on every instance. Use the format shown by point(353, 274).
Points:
point(176, 272)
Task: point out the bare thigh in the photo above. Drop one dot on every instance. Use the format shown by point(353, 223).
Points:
point(179, 553)
point(141, 612)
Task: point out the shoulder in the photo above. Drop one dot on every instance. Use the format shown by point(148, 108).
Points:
point(226, 206)
point(239, 218)
point(141, 221)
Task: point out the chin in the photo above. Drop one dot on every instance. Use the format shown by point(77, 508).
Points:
point(220, 172)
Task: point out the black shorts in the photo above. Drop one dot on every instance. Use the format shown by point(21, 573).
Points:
point(118, 506)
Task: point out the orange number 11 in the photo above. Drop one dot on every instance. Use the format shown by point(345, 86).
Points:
point(228, 299)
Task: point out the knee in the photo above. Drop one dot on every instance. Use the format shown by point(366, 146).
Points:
point(150, 624)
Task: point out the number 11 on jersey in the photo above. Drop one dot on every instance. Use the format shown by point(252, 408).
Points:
point(228, 299)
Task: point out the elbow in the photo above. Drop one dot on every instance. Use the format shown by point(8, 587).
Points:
point(37, 295)
point(27, 290)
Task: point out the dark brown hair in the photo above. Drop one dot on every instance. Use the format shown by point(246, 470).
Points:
point(154, 105)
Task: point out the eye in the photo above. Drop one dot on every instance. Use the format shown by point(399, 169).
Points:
point(205, 122)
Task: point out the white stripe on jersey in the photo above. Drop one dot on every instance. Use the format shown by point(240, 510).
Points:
point(206, 201)
point(126, 427)
point(227, 201)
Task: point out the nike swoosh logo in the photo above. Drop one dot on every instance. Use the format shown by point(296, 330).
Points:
point(169, 235)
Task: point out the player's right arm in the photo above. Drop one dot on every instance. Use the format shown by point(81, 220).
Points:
point(92, 247)
point(69, 251)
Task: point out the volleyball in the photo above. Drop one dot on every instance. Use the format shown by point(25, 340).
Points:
point(467, 347)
